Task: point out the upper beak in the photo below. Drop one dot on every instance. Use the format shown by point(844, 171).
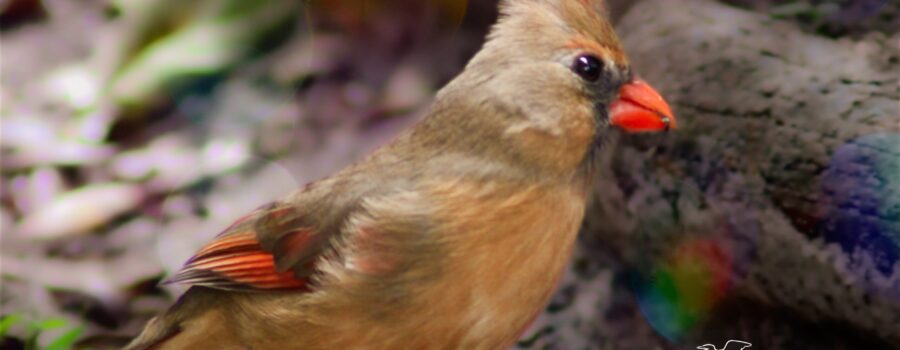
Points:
point(640, 108)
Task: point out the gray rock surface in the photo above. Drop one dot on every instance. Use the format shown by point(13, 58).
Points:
point(772, 214)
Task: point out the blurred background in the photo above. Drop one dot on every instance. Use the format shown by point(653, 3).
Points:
point(133, 131)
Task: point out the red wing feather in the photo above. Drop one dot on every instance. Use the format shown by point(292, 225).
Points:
point(237, 261)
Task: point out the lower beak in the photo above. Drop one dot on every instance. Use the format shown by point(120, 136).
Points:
point(640, 108)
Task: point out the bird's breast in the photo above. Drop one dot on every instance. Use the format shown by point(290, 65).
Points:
point(507, 247)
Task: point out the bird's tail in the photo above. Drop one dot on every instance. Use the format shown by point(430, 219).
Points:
point(192, 323)
point(156, 332)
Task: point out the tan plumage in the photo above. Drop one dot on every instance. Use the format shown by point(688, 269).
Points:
point(454, 235)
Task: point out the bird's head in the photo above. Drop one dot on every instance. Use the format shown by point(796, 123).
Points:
point(556, 77)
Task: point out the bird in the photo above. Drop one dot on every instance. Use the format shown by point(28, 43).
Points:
point(453, 235)
point(739, 345)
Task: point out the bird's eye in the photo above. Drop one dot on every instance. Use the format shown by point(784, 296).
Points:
point(588, 67)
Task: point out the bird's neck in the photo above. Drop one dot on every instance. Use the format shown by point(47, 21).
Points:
point(466, 121)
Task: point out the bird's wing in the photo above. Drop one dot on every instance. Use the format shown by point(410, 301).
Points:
point(272, 248)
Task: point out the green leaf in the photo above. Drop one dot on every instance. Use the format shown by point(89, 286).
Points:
point(50, 323)
point(7, 322)
point(66, 340)
point(222, 33)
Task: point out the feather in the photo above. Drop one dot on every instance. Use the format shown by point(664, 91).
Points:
point(236, 261)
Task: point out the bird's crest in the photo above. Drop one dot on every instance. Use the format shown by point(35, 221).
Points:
point(586, 21)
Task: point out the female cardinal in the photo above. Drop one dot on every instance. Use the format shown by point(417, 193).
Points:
point(452, 236)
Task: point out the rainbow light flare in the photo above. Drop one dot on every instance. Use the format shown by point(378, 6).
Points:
point(683, 289)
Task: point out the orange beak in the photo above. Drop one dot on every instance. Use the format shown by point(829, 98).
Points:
point(640, 108)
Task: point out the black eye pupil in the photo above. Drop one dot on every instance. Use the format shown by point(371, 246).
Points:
point(588, 67)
